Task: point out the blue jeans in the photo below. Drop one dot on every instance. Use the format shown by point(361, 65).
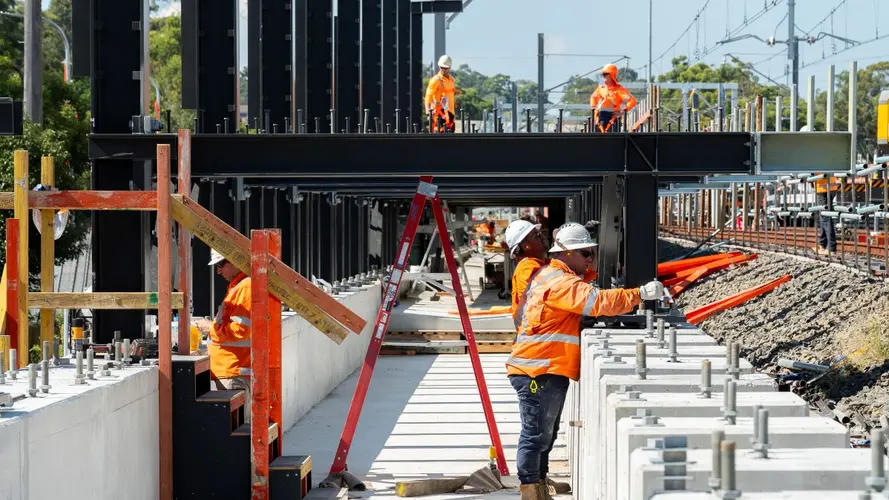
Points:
point(540, 411)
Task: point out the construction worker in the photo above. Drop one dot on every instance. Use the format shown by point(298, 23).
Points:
point(546, 352)
point(229, 346)
point(607, 99)
point(441, 91)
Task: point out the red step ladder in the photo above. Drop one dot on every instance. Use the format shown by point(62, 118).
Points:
point(425, 191)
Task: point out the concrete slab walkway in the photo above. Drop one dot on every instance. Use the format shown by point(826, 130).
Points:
point(422, 419)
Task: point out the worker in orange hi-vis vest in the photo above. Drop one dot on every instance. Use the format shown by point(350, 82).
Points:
point(230, 334)
point(607, 99)
point(441, 92)
point(546, 352)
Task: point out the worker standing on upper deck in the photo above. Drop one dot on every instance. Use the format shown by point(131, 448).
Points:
point(546, 352)
point(441, 91)
point(607, 99)
point(229, 346)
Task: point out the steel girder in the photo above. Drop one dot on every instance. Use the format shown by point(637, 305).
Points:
point(446, 155)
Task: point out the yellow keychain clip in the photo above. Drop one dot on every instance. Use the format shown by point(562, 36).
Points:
point(533, 386)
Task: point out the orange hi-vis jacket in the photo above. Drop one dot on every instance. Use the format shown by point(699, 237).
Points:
point(821, 185)
point(548, 340)
point(441, 86)
point(524, 272)
point(610, 97)
point(229, 347)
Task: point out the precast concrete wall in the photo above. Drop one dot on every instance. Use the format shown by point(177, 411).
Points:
point(312, 364)
point(82, 442)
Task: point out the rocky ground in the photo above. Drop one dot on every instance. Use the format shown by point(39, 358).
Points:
point(824, 313)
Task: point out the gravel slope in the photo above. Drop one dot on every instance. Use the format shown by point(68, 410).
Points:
point(824, 312)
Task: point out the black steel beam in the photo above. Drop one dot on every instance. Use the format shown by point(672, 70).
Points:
point(413, 155)
point(403, 74)
point(270, 47)
point(81, 35)
point(389, 63)
point(437, 6)
point(299, 18)
point(640, 230)
point(348, 53)
point(319, 64)
point(302, 183)
point(371, 51)
point(416, 81)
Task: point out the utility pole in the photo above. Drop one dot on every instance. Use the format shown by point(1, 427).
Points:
point(540, 91)
point(792, 44)
point(33, 98)
point(650, 37)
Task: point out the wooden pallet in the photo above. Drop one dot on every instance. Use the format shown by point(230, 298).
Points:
point(445, 342)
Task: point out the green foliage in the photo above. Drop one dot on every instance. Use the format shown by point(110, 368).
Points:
point(166, 68)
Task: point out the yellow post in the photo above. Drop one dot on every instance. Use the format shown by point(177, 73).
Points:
point(20, 193)
point(47, 251)
point(4, 352)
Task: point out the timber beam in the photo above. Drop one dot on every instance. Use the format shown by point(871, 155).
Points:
point(99, 300)
point(86, 200)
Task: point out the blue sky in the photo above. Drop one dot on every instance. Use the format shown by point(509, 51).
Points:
point(500, 36)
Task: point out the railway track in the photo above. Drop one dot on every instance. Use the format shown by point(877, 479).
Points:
point(859, 253)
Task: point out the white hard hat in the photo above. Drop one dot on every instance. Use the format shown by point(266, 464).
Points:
point(215, 257)
point(572, 236)
point(444, 61)
point(516, 232)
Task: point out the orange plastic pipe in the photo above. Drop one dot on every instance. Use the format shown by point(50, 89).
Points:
point(698, 315)
point(712, 267)
point(673, 267)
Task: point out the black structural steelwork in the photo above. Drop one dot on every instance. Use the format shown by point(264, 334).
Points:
point(348, 53)
point(389, 64)
point(480, 155)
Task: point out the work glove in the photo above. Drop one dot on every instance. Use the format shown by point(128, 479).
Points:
point(653, 290)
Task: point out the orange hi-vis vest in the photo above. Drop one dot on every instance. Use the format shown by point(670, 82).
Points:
point(548, 338)
point(821, 185)
point(229, 347)
point(610, 98)
point(441, 86)
point(524, 272)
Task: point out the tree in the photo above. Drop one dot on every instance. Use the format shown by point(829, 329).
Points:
point(166, 67)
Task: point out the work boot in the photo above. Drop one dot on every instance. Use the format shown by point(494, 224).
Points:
point(535, 491)
point(546, 490)
point(556, 487)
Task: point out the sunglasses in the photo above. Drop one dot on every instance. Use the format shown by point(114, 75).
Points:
point(587, 254)
point(221, 264)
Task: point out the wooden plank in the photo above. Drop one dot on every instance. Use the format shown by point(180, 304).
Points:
point(413, 336)
point(20, 189)
point(298, 293)
point(184, 178)
point(494, 347)
point(12, 288)
point(276, 392)
point(165, 325)
point(85, 200)
point(47, 251)
point(100, 300)
point(259, 349)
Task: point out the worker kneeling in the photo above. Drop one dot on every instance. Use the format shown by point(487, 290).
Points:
point(230, 334)
point(546, 353)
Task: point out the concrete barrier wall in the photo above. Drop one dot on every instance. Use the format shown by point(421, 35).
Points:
point(312, 364)
point(82, 442)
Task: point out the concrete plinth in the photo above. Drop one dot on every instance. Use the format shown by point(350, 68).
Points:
point(784, 432)
point(619, 407)
point(652, 342)
point(652, 351)
point(785, 469)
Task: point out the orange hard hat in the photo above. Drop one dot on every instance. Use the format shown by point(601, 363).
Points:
point(610, 69)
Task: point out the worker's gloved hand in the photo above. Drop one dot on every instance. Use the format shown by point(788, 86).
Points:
point(653, 290)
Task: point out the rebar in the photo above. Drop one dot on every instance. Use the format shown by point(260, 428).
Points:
point(45, 350)
point(660, 333)
point(730, 411)
point(55, 352)
point(877, 479)
point(32, 380)
point(727, 463)
point(126, 351)
point(716, 438)
point(13, 364)
point(755, 438)
point(674, 353)
point(78, 376)
point(706, 388)
point(44, 367)
point(641, 361)
point(761, 421)
point(649, 323)
point(736, 361)
point(90, 372)
point(2, 371)
point(118, 355)
point(603, 344)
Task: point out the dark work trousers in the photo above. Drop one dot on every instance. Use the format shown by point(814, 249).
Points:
point(827, 236)
point(604, 118)
point(541, 409)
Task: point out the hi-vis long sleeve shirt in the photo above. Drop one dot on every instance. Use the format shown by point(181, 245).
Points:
point(230, 334)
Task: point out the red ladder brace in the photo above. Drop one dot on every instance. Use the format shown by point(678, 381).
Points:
point(426, 190)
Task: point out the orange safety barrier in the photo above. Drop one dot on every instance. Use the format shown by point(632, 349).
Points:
point(712, 267)
point(665, 269)
point(700, 314)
